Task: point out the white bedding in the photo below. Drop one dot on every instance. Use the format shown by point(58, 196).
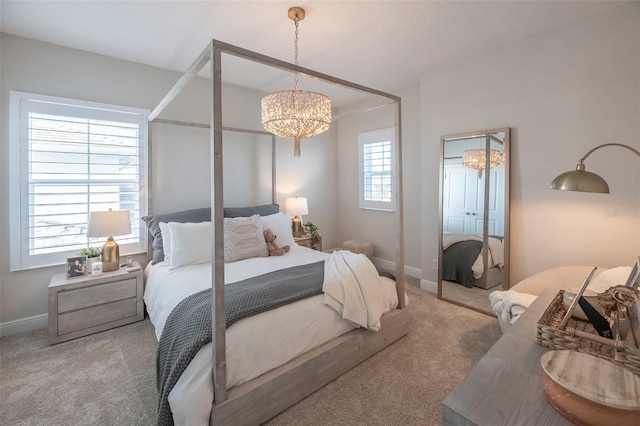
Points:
point(496, 251)
point(353, 287)
point(255, 345)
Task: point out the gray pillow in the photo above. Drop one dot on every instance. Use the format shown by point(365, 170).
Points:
point(153, 225)
point(265, 210)
point(197, 216)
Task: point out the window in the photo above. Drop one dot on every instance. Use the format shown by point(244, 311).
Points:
point(377, 181)
point(69, 158)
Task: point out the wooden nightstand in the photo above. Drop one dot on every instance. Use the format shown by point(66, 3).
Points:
point(306, 242)
point(86, 305)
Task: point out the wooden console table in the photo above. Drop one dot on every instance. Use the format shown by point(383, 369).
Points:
point(505, 386)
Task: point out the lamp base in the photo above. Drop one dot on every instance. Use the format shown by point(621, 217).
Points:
point(110, 256)
point(296, 227)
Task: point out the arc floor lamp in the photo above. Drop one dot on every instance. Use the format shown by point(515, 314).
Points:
point(582, 180)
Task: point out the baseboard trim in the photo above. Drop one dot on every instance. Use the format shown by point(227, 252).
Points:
point(24, 324)
point(429, 286)
point(389, 265)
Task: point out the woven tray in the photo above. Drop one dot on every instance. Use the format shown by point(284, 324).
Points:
point(582, 337)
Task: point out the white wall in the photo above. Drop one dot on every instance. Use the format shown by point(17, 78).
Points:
point(37, 67)
point(562, 93)
point(312, 175)
point(379, 226)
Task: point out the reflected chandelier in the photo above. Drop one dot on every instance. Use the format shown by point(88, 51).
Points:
point(476, 158)
point(296, 114)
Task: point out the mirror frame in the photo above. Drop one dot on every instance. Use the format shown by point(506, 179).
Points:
point(507, 214)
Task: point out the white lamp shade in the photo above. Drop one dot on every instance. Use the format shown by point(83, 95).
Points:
point(109, 223)
point(297, 206)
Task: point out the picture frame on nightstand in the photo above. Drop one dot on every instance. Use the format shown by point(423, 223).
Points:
point(76, 266)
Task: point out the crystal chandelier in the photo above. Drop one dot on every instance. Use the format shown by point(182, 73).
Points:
point(476, 158)
point(296, 114)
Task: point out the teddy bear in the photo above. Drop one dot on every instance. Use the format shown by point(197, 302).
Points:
point(274, 249)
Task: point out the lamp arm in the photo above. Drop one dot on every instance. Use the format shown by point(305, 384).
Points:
point(635, 151)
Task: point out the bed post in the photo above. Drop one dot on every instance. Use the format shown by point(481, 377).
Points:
point(149, 190)
point(273, 169)
point(399, 209)
point(217, 212)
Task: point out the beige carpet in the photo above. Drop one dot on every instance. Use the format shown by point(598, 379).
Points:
point(474, 296)
point(109, 378)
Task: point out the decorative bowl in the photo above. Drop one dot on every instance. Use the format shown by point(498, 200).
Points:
point(589, 390)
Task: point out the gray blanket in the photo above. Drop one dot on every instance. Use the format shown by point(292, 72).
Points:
point(458, 260)
point(188, 327)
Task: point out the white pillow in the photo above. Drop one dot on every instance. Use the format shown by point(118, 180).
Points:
point(610, 278)
point(244, 238)
point(190, 243)
point(280, 225)
point(166, 241)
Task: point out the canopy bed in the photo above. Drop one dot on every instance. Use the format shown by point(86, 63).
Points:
point(248, 397)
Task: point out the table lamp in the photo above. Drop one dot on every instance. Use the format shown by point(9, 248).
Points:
point(108, 224)
point(297, 207)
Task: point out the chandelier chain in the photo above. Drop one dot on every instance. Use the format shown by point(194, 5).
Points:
point(296, 19)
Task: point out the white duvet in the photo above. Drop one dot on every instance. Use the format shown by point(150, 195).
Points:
point(496, 251)
point(255, 345)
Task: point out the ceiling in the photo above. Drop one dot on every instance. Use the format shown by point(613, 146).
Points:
point(386, 45)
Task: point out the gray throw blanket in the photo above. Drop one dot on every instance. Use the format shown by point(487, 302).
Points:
point(188, 327)
point(458, 260)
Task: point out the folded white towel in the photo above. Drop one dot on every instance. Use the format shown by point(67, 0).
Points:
point(510, 304)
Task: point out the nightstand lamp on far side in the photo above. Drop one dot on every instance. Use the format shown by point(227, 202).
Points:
point(108, 224)
point(297, 207)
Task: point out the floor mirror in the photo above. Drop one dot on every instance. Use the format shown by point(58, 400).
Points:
point(473, 258)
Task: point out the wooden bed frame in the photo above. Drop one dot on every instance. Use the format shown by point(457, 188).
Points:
point(260, 399)
point(490, 278)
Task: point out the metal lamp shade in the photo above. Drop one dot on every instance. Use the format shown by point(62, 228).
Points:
point(580, 180)
point(584, 181)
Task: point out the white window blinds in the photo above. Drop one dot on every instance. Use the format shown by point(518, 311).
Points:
point(376, 169)
point(73, 158)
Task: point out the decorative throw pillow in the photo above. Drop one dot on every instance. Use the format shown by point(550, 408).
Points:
point(280, 224)
point(190, 243)
point(244, 238)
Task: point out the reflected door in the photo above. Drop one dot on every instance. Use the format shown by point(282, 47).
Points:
point(462, 202)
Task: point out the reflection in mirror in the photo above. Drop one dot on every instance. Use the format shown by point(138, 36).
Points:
point(474, 217)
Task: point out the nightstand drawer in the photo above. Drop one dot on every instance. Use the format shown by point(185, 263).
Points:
point(86, 297)
point(85, 318)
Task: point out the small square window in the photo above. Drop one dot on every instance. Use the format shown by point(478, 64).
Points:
point(377, 180)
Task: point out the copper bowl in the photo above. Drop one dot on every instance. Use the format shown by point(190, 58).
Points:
point(588, 390)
